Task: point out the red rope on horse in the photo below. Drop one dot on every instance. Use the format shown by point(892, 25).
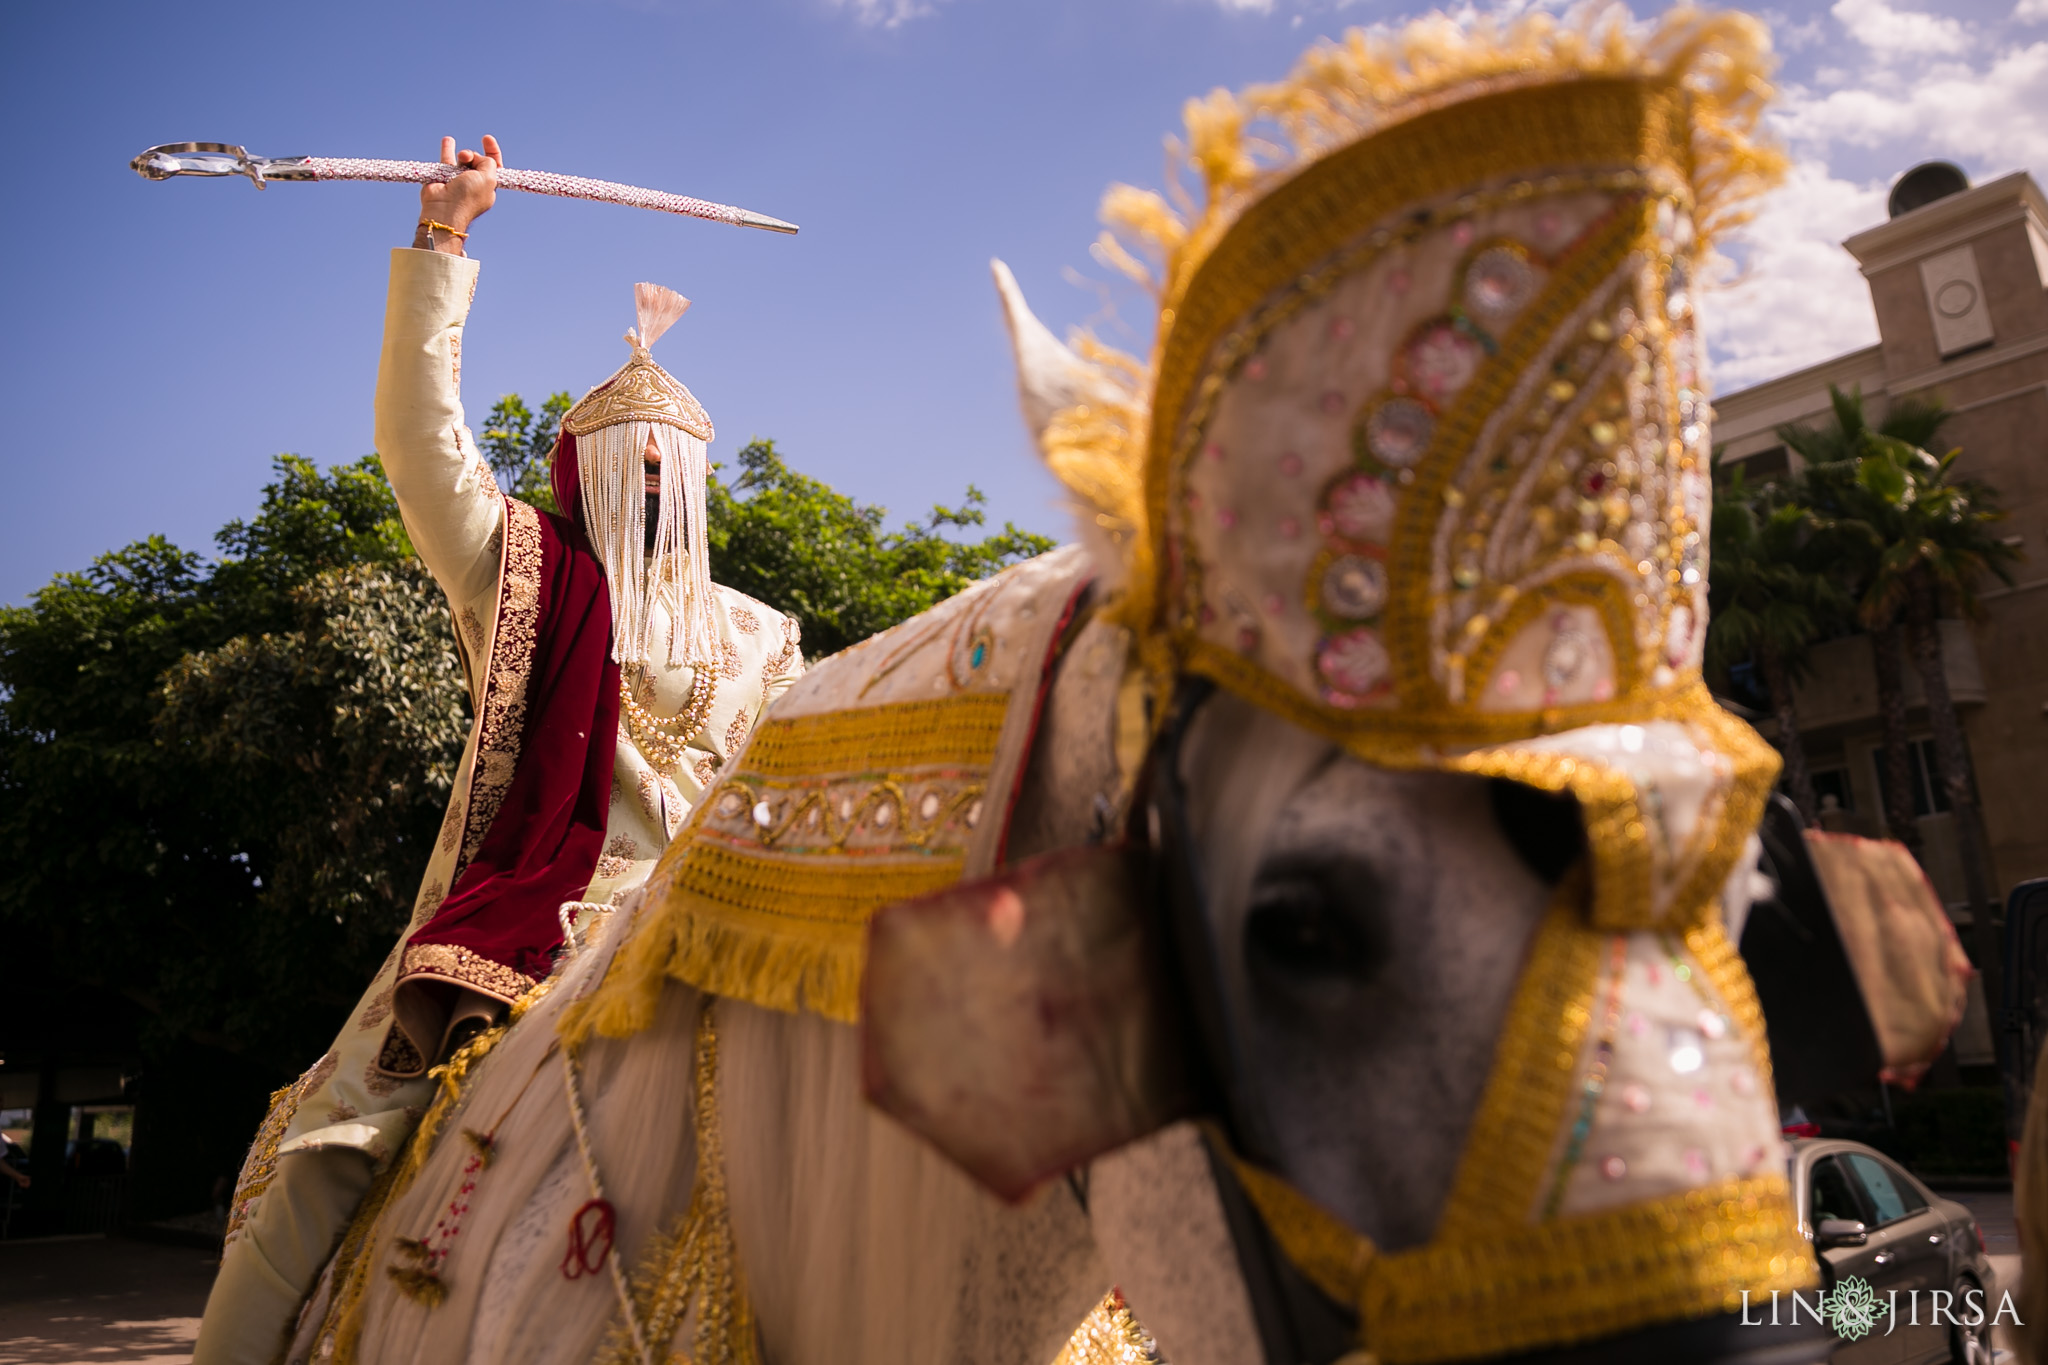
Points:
point(589, 1247)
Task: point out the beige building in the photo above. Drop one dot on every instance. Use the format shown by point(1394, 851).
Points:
point(1959, 282)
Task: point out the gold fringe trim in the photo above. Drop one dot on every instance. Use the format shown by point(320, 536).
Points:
point(783, 935)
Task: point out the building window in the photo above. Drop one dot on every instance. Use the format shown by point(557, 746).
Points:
point(1928, 797)
point(1833, 782)
point(1765, 466)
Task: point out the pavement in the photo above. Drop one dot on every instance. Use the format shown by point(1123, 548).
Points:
point(100, 1301)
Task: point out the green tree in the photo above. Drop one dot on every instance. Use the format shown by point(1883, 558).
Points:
point(517, 442)
point(806, 549)
point(1938, 546)
point(1854, 530)
point(160, 856)
point(1769, 601)
point(219, 781)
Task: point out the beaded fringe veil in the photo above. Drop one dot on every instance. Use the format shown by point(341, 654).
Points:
point(610, 465)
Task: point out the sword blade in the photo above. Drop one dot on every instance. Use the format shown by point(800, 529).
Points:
point(217, 158)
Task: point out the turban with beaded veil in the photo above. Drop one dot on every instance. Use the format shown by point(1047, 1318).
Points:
point(598, 482)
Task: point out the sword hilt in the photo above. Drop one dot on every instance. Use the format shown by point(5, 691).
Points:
point(217, 159)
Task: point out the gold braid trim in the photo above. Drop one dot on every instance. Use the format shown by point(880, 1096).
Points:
point(694, 1267)
point(1494, 1280)
point(1530, 1088)
point(1616, 832)
point(502, 726)
point(896, 735)
point(341, 1333)
point(733, 915)
point(1512, 1289)
point(1725, 972)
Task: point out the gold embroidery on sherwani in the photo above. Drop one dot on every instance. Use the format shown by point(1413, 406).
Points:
point(377, 1011)
point(779, 664)
point(502, 725)
point(259, 1168)
point(399, 1057)
point(736, 733)
point(472, 629)
point(457, 963)
point(428, 904)
point(728, 660)
point(707, 768)
point(744, 621)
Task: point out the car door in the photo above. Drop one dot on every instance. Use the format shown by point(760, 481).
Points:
point(1910, 1241)
point(1831, 1192)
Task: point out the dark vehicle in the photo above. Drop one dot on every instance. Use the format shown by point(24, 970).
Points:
point(1923, 1255)
point(95, 1156)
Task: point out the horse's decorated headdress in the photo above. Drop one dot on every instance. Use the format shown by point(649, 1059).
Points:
point(1419, 459)
point(599, 476)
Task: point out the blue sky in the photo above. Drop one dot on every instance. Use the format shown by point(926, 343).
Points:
point(165, 340)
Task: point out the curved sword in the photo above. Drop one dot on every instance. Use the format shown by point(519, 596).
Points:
point(221, 158)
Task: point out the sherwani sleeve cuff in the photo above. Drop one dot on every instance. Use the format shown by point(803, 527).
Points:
point(446, 492)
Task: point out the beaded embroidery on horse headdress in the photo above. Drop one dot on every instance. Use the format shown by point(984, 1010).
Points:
point(1419, 461)
point(1420, 456)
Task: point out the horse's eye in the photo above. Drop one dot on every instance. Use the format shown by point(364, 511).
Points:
point(1314, 927)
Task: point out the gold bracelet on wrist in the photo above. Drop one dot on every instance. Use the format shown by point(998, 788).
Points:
point(433, 227)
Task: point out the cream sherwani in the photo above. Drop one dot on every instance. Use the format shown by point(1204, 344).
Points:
point(328, 1133)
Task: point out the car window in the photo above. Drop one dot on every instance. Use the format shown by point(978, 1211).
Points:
point(1831, 1195)
point(1892, 1196)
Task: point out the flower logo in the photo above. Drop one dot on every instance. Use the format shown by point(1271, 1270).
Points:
point(1852, 1308)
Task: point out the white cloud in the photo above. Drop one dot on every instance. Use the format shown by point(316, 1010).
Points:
point(884, 13)
point(2030, 11)
point(1913, 87)
point(1996, 115)
point(1889, 32)
point(1799, 298)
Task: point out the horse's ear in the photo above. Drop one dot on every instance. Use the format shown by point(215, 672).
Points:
point(1049, 375)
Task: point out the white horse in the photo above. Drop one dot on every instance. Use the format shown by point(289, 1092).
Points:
point(1375, 924)
point(1472, 1070)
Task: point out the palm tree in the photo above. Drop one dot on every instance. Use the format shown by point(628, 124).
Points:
point(1768, 604)
point(1938, 546)
point(1855, 526)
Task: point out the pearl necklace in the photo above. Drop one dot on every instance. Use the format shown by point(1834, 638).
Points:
point(663, 741)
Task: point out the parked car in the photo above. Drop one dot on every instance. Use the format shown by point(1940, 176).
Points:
point(1869, 1219)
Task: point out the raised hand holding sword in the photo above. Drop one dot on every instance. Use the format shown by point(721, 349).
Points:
point(448, 207)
